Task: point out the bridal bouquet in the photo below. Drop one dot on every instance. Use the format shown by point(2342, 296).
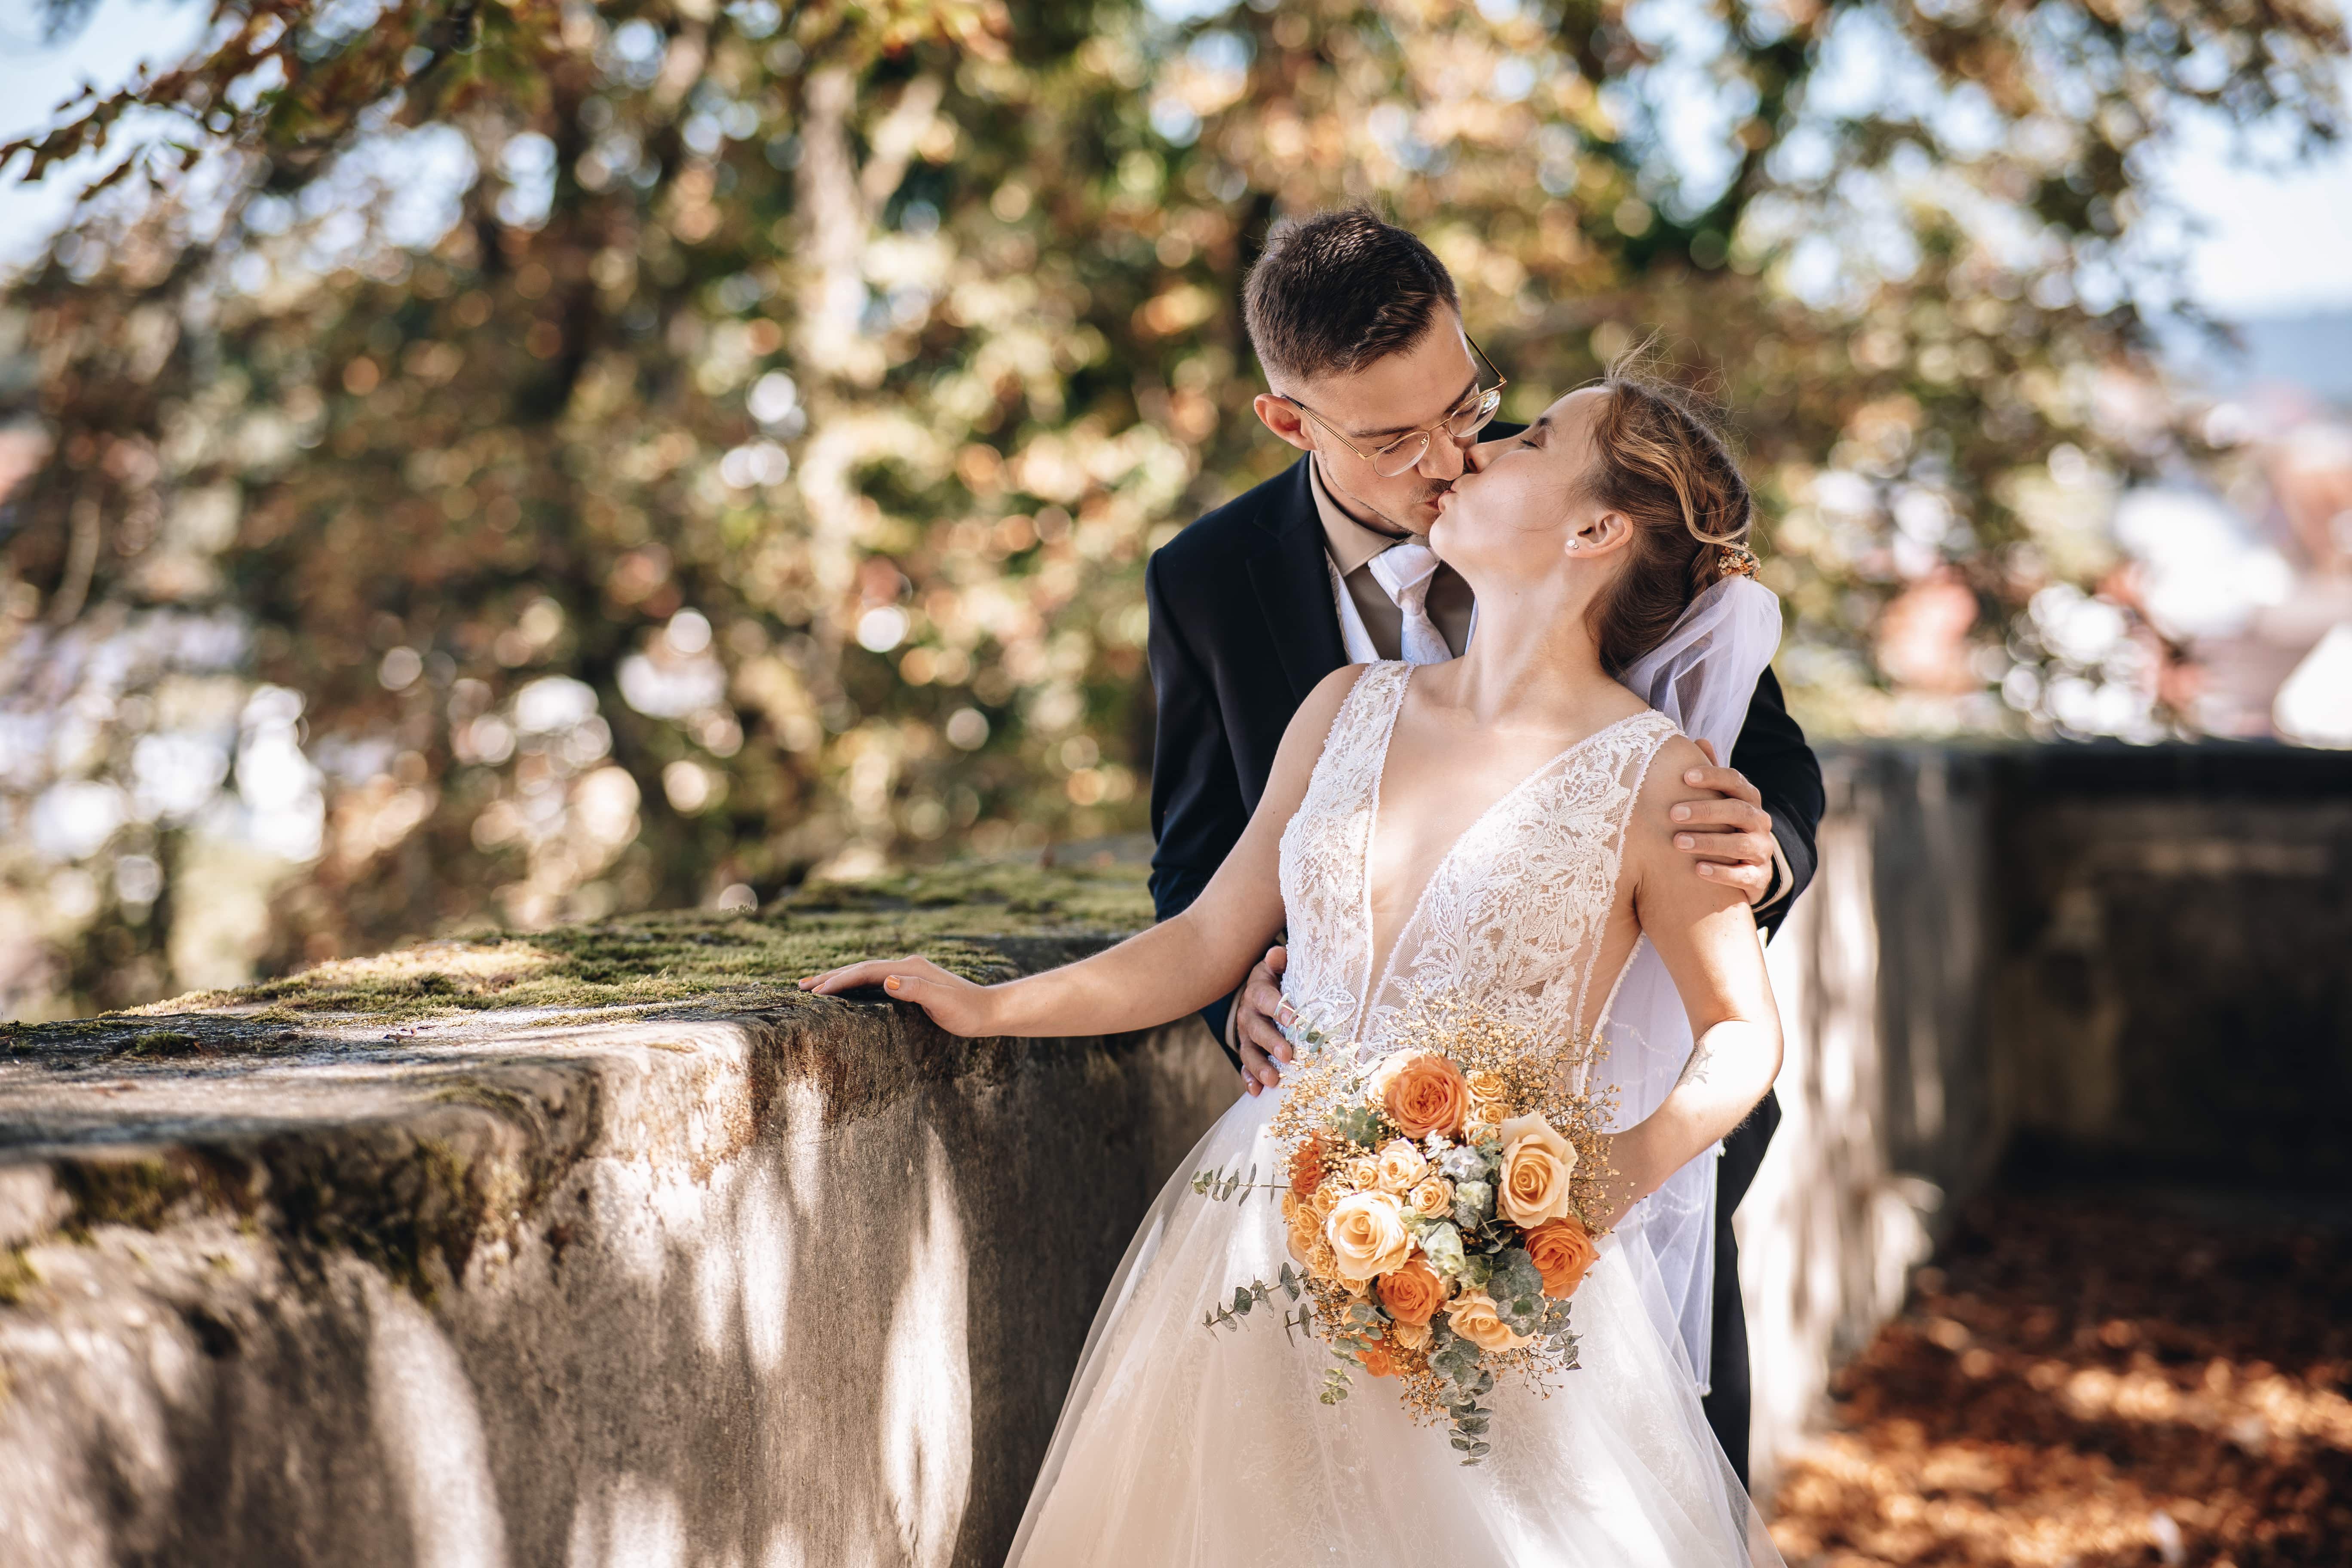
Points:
point(1435, 1200)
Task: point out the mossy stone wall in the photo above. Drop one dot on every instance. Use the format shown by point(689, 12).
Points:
point(604, 1245)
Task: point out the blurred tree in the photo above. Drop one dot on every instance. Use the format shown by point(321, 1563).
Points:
point(655, 448)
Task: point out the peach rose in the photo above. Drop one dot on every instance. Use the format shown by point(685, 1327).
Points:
point(1426, 1095)
point(1563, 1251)
point(1368, 1236)
point(1304, 1230)
point(1376, 1359)
point(1409, 1336)
point(1473, 1317)
point(1431, 1198)
point(1360, 1175)
point(1536, 1163)
point(1325, 1199)
point(1384, 1071)
point(1413, 1294)
point(1398, 1166)
point(1487, 1103)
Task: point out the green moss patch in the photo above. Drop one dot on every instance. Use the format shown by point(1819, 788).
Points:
point(17, 1278)
point(982, 919)
point(165, 1043)
point(416, 1200)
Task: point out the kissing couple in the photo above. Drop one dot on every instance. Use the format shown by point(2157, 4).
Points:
point(1441, 709)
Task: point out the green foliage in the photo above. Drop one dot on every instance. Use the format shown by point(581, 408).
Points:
point(1221, 1184)
point(1442, 1243)
point(1245, 1299)
point(1518, 1290)
point(812, 390)
point(1474, 1205)
point(1359, 1124)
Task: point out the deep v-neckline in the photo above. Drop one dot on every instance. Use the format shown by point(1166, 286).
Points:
point(1380, 976)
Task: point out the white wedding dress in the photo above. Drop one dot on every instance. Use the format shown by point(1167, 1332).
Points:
point(1181, 1445)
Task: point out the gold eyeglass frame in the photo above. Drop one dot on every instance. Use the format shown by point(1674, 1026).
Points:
point(1488, 399)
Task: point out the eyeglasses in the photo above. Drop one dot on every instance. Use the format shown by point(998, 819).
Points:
point(1405, 453)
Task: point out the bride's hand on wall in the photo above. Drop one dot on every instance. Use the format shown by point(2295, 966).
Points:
point(954, 1004)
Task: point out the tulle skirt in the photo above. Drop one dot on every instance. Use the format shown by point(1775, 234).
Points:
point(1183, 1445)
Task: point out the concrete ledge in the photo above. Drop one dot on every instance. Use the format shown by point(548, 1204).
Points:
point(604, 1247)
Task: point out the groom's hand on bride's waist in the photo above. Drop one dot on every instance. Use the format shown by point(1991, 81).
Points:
point(1725, 829)
point(1256, 1030)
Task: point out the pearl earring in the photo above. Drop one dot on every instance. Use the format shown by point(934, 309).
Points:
point(1576, 545)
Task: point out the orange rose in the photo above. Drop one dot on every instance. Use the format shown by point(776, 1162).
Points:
point(1376, 1359)
point(1426, 1095)
point(1307, 1167)
point(1562, 1251)
point(1413, 1294)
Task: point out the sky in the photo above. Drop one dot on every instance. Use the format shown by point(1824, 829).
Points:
point(2274, 241)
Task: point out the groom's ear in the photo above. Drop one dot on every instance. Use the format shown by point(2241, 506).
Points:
point(1280, 416)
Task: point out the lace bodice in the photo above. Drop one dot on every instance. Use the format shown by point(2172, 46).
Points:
point(1515, 915)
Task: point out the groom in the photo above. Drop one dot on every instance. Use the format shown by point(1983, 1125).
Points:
point(1358, 327)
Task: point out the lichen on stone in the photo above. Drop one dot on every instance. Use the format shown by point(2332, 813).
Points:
point(17, 1276)
point(744, 961)
point(415, 1191)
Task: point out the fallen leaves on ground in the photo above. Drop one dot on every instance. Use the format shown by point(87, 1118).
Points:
point(2092, 1381)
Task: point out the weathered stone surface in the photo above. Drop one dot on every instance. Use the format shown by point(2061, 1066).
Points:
point(607, 1245)
point(2102, 961)
point(670, 1265)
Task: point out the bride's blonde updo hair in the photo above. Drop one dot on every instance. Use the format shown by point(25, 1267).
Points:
point(1660, 458)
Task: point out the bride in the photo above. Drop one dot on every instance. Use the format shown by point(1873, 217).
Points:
point(1493, 828)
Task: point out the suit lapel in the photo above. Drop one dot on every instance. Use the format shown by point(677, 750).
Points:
point(1292, 577)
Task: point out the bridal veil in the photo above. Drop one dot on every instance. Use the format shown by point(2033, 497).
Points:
point(1703, 677)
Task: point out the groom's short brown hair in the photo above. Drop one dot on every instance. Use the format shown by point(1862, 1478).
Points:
point(1340, 290)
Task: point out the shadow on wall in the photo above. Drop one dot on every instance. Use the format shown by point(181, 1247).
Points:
point(772, 1315)
point(2099, 963)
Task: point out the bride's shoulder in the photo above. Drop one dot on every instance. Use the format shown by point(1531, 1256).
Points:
point(1313, 719)
point(1309, 728)
point(1662, 781)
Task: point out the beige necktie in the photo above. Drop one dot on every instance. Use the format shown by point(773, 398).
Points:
point(1404, 573)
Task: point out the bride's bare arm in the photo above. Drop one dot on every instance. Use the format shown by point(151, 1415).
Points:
point(1176, 967)
point(1707, 938)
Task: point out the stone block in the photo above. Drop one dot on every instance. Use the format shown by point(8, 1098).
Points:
point(602, 1246)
